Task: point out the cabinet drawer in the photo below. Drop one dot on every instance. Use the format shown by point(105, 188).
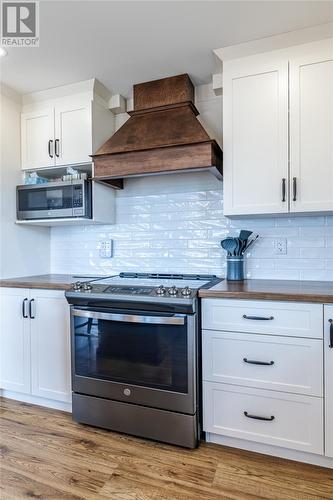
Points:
point(277, 318)
point(297, 422)
point(293, 365)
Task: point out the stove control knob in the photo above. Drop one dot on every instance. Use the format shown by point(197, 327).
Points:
point(87, 287)
point(160, 290)
point(173, 290)
point(186, 292)
point(77, 286)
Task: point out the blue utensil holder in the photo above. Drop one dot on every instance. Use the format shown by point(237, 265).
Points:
point(235, 268)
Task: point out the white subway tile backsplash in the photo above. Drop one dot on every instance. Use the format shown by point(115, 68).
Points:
point(175, 224)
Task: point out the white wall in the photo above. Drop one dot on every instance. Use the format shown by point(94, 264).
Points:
point(174, 223)
point(23, 250)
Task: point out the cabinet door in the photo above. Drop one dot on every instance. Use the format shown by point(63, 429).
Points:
point(73, 134)
point(14, 340)
point(50, 346)
point(328, 343)
point(311, 129)
point(255, 135)
point(37, 139)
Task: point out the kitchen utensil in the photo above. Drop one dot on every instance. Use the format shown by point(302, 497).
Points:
point(251, 242)
point(244, 236)
point(230, 245)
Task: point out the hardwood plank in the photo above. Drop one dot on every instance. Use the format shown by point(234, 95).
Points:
point(47, 455)
point(14, 486)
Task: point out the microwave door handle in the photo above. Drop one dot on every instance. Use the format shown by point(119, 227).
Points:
point(132, 318)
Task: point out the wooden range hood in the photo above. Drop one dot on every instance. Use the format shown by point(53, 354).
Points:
point(161, 136)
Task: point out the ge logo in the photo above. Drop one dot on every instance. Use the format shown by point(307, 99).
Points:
point(127, 392)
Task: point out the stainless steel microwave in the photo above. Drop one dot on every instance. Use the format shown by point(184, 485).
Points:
point(54, 200)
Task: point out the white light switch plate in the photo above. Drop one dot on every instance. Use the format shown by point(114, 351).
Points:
point(105, 249)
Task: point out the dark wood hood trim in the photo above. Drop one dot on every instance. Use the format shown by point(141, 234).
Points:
point(201, 156)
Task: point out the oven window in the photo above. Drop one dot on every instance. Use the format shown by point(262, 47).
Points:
point(51, 198)
point(133, 353)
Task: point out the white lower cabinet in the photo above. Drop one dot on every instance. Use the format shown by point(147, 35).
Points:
point(275, 418)
point(35, 343)
point(263, 374)
point(50, 346)
point(328, 348)
point(267, 362)
point(14, 341)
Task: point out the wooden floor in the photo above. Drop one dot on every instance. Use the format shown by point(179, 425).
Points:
point(46, 455)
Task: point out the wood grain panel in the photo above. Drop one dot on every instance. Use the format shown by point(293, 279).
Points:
point(162, 92)
point(293, 290)
point(161, 160)
point(156, 129)
point(47, 455)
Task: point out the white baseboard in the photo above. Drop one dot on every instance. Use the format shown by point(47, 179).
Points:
point(276, 451)
point(35, 400)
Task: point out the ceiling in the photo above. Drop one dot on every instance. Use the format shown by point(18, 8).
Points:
point(122, 43)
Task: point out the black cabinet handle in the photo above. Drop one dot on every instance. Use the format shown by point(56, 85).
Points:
point(257, 417)
point(331, 333)
point(50, 143)
point(56, 148)
point(260, 318)
point(294, 188)
point(261, 363)
point(283, 189)
point(24, 308)
point(31, 312)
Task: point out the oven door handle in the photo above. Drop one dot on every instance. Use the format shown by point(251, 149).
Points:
point(131, 318)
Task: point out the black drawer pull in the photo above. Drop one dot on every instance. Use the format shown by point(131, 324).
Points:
point(31, 309)
point(256, 417)
point(331, 333)
point(294, 188)
point(24, 310)
point(49, 146)
point(261, 363)
point(283, 190)
point(56, 148)
point(260, 318)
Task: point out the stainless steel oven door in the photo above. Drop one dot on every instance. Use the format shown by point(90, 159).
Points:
point(141, 358)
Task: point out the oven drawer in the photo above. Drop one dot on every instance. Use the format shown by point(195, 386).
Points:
point(292, 319)
point(268, 417)
point(262, 361)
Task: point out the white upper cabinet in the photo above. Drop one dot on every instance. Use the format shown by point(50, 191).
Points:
point(73, 134)
point(65, 125)
point(272, 119)
point(37, 131)
point(311, 129)
point(255, 136)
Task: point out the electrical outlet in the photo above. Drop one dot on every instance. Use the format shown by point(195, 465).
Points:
point(105, 249)
point(281, 246)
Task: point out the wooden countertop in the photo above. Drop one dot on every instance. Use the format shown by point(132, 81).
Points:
point(299, 291)
point(305, 291)
point(44, 281)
